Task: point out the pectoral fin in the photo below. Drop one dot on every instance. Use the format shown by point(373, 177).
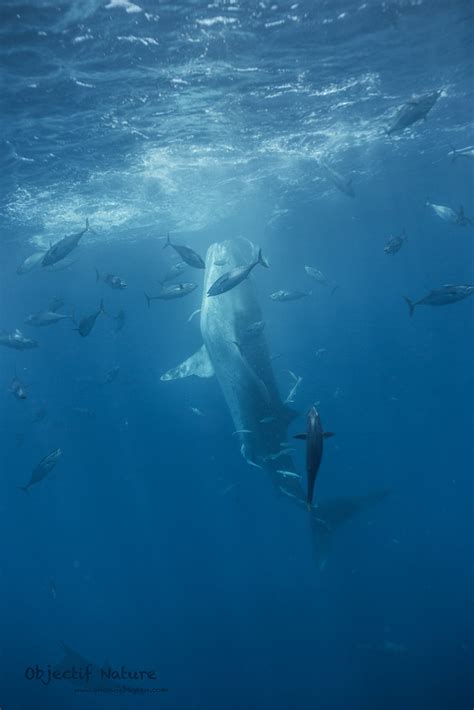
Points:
point(300, 436)
point(198, 364)
point(328, 434)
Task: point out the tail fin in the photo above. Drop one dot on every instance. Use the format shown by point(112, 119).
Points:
point(168, 241)
point(97, 275)
point(23, 488)
point(148, 299)
point(261, 259)
point(411, 305)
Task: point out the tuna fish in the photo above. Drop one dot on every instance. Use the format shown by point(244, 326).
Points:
point(450, 293)
point(414, 110)
point(188, 255)
point(42, 470)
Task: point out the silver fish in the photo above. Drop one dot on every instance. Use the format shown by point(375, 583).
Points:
point(170, 292)
point(283, 295)
point(17, 340)
point(45, 318)
point(235, 276)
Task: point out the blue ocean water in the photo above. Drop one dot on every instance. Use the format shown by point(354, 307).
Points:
point(153, 544)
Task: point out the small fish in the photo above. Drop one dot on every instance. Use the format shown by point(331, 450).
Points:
point(45, 318)
point(111, 280)
point(444, 296)
point(292, 393)
point(227, 489)
point(290, 495)
point(316, 274)
point(394, 244)
point(461, 153)
point(284, 295)
point(243, 451)
point(52, 589)
point(87, 323)
point(194, 313)
point(288, 474)
point(17, 340)
point(278, 454)
point(174, 291)
point(241, 431)
point(189, 256)
point(17, 389)
point(112, 374)
point(44, 467)
point(235, 276)
point(321, 351)
point(196, 411)
point(119, 321)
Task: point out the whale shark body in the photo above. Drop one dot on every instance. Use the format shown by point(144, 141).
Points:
point(243, 368)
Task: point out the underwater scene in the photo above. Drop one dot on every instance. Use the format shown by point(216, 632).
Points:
point(236, 354)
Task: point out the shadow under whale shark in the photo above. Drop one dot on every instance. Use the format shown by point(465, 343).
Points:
point(238, 355)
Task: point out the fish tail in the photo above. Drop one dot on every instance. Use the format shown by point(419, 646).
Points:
point(23, 488)
point(148, 299)
point(97, 275)
point(411, 305)
point(168, 241)
point(261, 259)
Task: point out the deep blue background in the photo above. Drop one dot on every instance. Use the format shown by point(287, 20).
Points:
point(155, 562)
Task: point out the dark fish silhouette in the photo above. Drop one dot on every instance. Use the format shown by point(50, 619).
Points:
point(189, 256)
point(394, 244)
point(63, 248)
point(314, 450)
point(234, 277)
point(450, 293)
point(414, 110)
point(44, 467)
point(87, 323)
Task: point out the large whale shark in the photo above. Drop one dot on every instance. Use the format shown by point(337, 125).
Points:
point(243, 368)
